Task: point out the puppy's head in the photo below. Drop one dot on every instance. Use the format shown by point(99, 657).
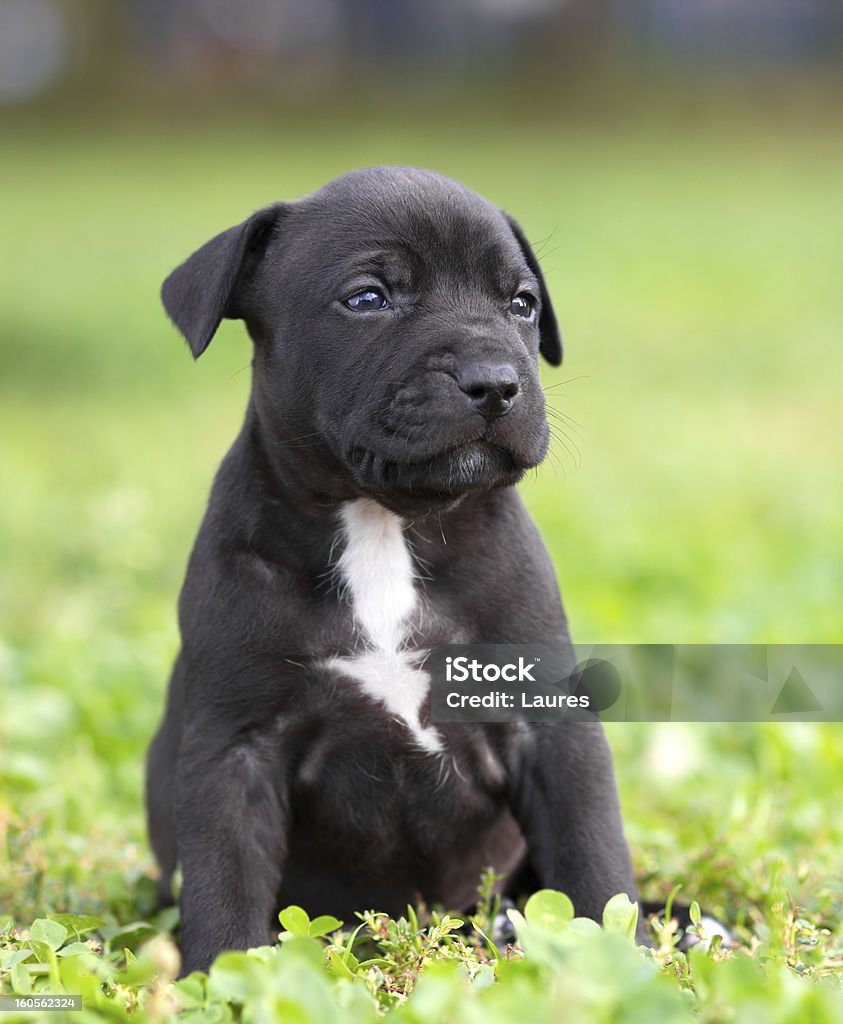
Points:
point(398, 319)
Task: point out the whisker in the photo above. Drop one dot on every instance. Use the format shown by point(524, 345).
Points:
point(562, 383)
point(291, 441)
point(555, 461)
point(572, 449)
point(237, 373)
point(575, 425)
point(567, 421)
point(539, 246)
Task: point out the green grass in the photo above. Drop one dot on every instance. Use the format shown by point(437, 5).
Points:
point(697, 279)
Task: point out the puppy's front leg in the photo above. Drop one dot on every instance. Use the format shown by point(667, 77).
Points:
point(232, 838)
point(564, 798)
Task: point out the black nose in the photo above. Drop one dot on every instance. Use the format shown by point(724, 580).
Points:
point(492, 387)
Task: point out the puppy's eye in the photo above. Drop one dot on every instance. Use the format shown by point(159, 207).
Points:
point(367, 301)
point(522, 305)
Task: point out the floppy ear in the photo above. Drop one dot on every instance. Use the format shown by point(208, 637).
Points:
point(209, 285)
point(550, 338)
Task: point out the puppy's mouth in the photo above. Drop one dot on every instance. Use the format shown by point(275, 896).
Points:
point(437, 481)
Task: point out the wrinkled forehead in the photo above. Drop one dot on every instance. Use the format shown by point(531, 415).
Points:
point(407, 228)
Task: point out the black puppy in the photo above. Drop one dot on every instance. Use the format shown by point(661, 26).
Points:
point(366, 513)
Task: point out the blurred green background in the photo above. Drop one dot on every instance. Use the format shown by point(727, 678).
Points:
point(691, 232)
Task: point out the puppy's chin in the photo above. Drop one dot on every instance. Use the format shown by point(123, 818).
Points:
point(440, 481)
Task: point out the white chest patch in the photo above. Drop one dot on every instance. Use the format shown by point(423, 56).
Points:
point(377, 572)
point(377, 576)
